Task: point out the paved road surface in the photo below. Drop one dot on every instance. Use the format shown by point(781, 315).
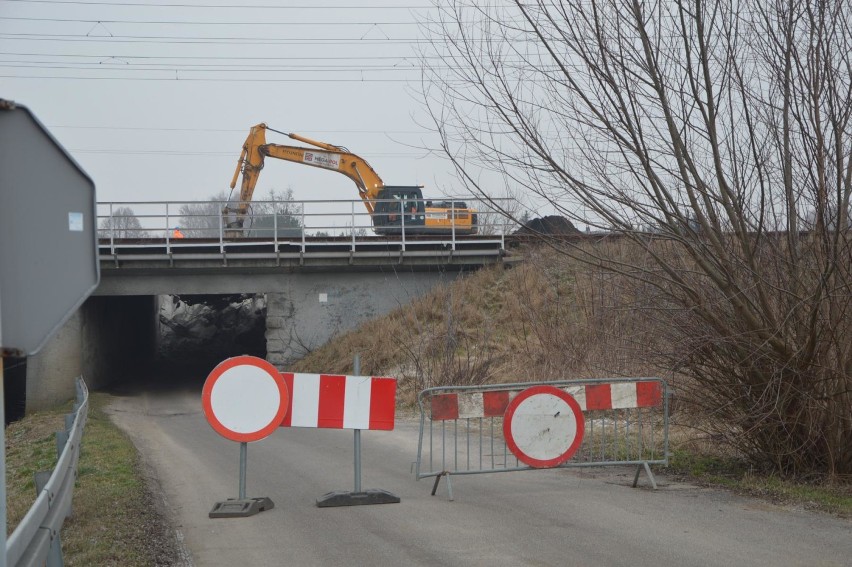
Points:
point(555, 517)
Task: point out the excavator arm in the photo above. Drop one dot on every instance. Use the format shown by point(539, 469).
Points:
point(328, 156)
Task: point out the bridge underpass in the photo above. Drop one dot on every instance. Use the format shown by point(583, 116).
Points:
point(114, 339)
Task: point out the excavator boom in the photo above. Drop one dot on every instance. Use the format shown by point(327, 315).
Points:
point(335, 158)
point(387, 205)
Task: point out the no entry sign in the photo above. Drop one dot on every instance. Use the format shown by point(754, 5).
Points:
point(543, 426)
point(245, 398)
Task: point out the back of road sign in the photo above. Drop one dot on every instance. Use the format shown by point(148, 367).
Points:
point(48, 242)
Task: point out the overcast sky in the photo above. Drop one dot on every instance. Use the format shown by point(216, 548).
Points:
point(154, 99)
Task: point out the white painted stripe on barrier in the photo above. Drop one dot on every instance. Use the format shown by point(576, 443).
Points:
point(306, 394)
point(356, 402)
point(470, 405)
point(623, 395)
point(578, 393)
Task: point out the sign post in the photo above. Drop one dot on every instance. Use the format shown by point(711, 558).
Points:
point(358, 497)
point(244, 399)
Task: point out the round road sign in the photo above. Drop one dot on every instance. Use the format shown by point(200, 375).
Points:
point(543, 426)
point(245, 398)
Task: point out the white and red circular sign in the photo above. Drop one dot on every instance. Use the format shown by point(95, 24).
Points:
point(543, 426)
point(245, 398)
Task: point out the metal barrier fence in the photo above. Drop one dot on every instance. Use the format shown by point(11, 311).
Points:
point(36, 539)
point(461, 427)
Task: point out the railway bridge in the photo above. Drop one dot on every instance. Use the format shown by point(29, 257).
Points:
point(314, 286)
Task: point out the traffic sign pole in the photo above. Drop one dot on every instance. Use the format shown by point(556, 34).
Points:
point(243, 461)
point(356, 367)
point(358, 496)
point(244, 399)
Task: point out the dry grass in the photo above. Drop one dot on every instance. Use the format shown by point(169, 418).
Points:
point(548, 318)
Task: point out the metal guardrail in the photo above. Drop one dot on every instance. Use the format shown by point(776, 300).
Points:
point(36, 539)
point(461, 427)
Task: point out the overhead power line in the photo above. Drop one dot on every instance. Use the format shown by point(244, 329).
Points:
point(113, 151)
point(230, 130)
point(197, 23)
point(232, 40)
point(116, 63)
point(225, 58)
point(174, 78)
point(390, 6)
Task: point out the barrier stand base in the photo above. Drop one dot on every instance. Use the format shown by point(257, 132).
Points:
point(449, 484)
point(648, 472)
point(241, 508)
point(344, 498)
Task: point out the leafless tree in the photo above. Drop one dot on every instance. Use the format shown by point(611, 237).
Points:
point(122, 223)
point(204, 219)
point(720, 125)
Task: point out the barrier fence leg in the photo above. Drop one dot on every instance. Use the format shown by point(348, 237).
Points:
point(647, 468)
point(449, 484)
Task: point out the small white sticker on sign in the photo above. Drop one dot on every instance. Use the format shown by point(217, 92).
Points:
point(323, 298)
point(75, 222)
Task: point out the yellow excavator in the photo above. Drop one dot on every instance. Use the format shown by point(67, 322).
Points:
point(392, 208)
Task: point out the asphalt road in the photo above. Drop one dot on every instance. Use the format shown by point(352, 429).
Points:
point(552, 517)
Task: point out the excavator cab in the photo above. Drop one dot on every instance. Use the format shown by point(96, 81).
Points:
point(399, 207)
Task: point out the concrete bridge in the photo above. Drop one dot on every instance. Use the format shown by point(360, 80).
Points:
point(315, 288)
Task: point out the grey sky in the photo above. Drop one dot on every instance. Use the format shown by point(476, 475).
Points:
point(155, 100)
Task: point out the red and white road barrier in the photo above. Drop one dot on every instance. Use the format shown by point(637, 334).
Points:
point(340, 402)
point(468, 430)
point(617, 395)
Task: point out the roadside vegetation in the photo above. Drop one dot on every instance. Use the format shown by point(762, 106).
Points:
point(713, 138)
point(116, 517)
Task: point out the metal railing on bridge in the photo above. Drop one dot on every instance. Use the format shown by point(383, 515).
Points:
point(289, 231)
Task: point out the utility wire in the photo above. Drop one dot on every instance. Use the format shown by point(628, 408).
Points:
point(173, 78)
point(224, 58)
point(233, 40)
point(391, 6)
point(230, 130)
point(197, 23)
point(117, 64)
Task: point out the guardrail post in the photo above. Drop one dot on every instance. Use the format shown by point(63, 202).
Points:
point(54, 555)
point(61, 440)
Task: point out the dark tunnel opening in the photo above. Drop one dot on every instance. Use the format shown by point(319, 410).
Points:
point(197, 332)
point(191, 335)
